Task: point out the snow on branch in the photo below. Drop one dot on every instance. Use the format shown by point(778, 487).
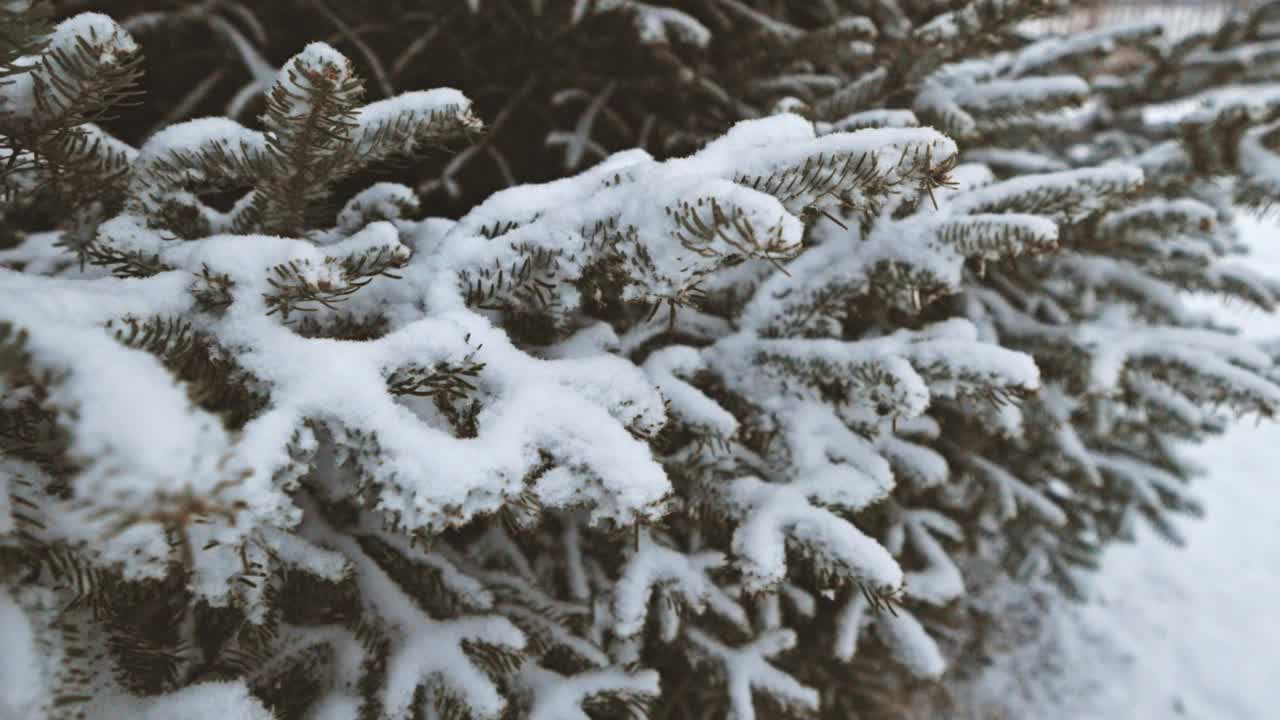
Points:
point(746, 669)
point(666, 413)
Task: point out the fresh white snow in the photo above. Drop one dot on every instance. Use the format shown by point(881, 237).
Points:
point(1172, 632)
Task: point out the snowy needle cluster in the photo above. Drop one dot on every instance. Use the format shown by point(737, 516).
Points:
point(703, 433)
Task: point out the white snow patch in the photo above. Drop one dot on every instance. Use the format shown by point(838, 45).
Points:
point(1173, 632)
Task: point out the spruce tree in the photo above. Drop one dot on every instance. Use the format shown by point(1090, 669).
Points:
point(728, 428)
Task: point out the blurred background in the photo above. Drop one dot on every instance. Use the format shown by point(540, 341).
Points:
point(1180, 17)
point(1172, 632)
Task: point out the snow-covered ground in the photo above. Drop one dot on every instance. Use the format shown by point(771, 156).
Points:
point(1169, 632)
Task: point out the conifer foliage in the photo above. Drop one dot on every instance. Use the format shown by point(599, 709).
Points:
point(716, 433)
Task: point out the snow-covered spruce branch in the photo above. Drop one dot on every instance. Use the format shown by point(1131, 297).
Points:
point(551, 459)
